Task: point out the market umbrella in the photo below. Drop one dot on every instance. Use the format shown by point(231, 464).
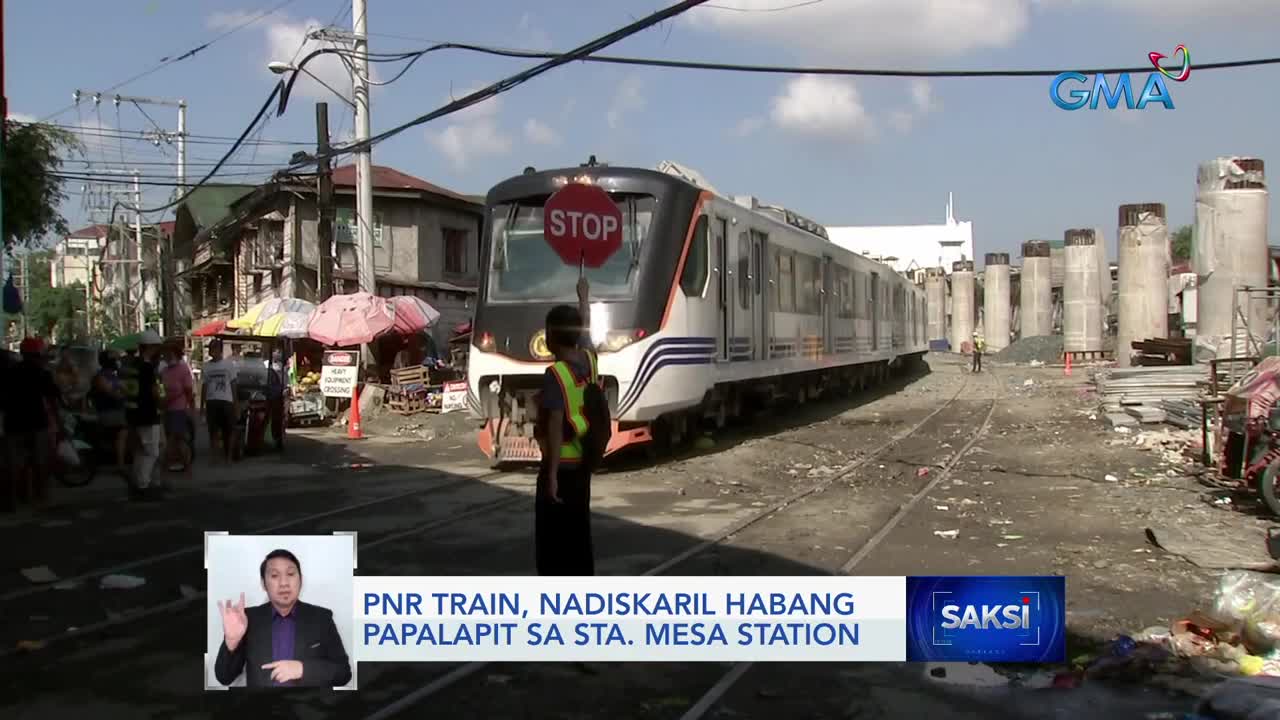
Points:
point(413, 314)
point(289, 319)
point(264, 309)
point(353, 319)
point(125, 342)
point(209, 329)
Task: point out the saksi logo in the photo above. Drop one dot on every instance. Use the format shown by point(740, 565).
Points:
point(987, 617)
point(1154, 90)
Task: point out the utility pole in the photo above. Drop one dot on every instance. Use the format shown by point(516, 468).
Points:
point(4, 130)
point(364, 160)
point(324, 204)
point(137, 241)
point(26, 292)
point(164, 272)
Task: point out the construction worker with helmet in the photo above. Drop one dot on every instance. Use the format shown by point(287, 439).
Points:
point(979, 347)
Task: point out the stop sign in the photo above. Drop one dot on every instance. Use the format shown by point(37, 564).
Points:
point(582, 224)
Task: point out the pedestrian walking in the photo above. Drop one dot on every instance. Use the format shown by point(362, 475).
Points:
point(562, 508)
point(30, 400)
point(179, 393)
point(144, 399)
point(218, 398)
point(979, 347)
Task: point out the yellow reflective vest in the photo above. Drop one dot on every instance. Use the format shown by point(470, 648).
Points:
point(574, 391)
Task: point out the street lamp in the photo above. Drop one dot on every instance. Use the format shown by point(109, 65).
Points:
point(280, 68)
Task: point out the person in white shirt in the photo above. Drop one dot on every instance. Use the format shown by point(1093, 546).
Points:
point(218, 398)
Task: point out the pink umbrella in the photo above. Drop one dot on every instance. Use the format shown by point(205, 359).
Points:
point(354, 319)
point(413, 314)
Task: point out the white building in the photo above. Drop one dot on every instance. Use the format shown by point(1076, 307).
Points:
point(910, 248)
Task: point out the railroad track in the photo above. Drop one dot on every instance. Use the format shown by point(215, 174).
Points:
point(708, 700)
point(180, 603)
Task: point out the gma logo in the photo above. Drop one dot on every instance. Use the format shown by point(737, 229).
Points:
point(1097, 89)
point(987, 617)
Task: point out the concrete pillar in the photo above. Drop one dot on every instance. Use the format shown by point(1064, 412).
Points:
point(935, 295)
point(962, 305)
point(1144, 278)
point(1037, 291)
point(1230, 248)
point(997, 314)
point(1082, 298)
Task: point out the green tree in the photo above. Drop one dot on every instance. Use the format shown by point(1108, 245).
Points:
point(33, 194)
point(1181, 244)
point(52, 312)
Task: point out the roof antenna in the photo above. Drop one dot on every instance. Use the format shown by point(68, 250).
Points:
point(529, 170)
point(591, 162)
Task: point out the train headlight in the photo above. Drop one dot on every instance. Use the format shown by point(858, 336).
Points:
point(486, 343)
point(615, 340)
point(538, 346)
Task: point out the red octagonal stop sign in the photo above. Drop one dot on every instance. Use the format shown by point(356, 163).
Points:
point(582, 224)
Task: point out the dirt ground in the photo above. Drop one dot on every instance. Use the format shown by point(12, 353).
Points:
point(1048, 488)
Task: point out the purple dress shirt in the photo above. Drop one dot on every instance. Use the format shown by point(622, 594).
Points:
point(283, 632)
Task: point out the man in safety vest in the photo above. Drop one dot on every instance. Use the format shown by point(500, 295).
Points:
point(562, 511)
point(979, 347)
point(144, 397)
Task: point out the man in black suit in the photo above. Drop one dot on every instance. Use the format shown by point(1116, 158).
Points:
point(284, 642)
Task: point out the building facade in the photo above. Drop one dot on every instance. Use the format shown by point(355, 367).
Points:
point(266, 244)
point(910, 249)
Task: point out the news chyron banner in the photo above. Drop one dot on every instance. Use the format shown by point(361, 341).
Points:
point(289, 610)
point(711, 619)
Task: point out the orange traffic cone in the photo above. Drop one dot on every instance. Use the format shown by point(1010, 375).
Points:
point(1067, 371)
point(353, 419)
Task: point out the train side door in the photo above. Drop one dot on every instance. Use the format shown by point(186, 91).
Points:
point(876, 304)
point(828, 307)
point(760, 301)
point(724, 325)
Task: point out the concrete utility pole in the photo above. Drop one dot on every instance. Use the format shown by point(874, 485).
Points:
point(364, 159)
point(166, 289)
point(324, 205)
point(137, 241)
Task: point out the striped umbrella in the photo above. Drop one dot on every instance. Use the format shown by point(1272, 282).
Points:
point(289, 319)
point(413, 314)
point(264, 309)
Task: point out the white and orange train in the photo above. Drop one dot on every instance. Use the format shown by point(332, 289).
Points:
point(710, 304)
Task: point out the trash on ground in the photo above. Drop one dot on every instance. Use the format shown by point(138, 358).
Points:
point(122, 582)
point(40, 574)
point(947, 534)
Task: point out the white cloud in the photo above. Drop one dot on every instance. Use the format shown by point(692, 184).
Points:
point(287, 42)
point(540, 133)
point(471, 133)
point(822, 106)
point(921, 103)
point(1173, 11)
point(626, 99)
point(876, 30)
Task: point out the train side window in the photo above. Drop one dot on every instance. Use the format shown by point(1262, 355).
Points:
point(845, 288)
point(785, 285)
point(694, 278)
point(744, 270)
point(859, 291)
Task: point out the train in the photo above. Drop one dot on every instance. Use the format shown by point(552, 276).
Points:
point(712, 306)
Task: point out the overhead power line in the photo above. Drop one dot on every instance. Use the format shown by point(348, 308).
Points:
point(506, 84)
point(171, 59)
point(793, 69)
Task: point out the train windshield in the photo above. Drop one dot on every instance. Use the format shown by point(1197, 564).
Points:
point(523, 268)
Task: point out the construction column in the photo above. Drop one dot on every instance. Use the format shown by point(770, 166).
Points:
point(324, 205)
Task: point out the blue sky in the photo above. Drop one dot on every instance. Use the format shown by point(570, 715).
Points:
point(865, 151)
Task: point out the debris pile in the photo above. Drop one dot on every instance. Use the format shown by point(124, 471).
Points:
point(1155, 352)
point(1042, 349)
point(1153, 395)
point(1238, 636)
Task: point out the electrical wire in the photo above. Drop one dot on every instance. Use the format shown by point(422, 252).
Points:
point(784, 8)
point(171, 59)
point(501, 86)
point(800, 70)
